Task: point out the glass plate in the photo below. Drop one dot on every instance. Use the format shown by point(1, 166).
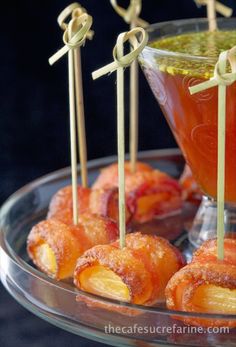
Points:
point(56, 301)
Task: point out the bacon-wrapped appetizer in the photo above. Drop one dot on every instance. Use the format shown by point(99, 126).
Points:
point(190, 188)
point(150, 193)
point(204, 287)
point(54, 247)
point(61, 205)
point(138, 273)
point(103, 202)
point(208, 252)
point(207, 284)
point(108, 177)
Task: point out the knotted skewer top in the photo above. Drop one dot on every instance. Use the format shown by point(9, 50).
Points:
point(75, 10)
point(74, 35)
point(220, 8)
point(138, 39)
point(219, 78)
point(131, 13)
point(69, 10)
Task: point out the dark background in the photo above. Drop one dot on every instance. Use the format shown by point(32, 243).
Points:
point(34, 127)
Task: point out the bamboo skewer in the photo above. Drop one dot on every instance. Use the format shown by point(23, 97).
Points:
point(220, 8)
point(214, 6)
point(120, 62)
point(81, 131)
point(131, 16)
point(61, 19)
point(221, 161)
point(134, 94)
point(134, 118)
point(80, 118)
point(76, 10)
point(74, 175)
point(211, 15)
point(121, 144)
point(224, 10)
point(74, 36)
point(134, 109)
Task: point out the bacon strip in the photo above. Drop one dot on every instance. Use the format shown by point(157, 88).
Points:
point(55, 247)
point(108, 177)
point(150, 193)
point(61, 207)
point(137, 273)
point(103, 202)
point(206, 285)
point(208, 252)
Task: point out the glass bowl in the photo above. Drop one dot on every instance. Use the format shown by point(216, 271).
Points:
point(193, 118)
point(57, 303)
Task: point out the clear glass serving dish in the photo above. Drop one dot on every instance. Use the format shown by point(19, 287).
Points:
point(57, 303)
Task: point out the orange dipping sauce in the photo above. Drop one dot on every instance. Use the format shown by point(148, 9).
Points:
point(193, 118)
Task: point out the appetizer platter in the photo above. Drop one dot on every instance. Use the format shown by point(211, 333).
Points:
point(70, 308)
point(116, 253)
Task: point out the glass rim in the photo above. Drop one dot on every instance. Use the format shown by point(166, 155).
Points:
point(65, 287)
point(10, 256)
point(152, 27)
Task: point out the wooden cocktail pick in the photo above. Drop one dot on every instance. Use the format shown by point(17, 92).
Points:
point(138, 39)
point(213, 7)
point(131, 16)
point(211, 15)
point(222, 80)
point(131, 13)
point(76, 10)
point(74, 36)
